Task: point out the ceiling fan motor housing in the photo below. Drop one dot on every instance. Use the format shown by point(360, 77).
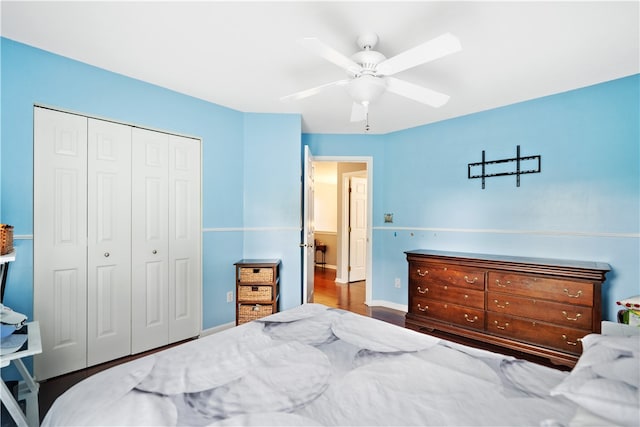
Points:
point(367, 41)
point(368, 59)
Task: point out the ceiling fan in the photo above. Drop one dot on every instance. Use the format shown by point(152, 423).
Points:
point(370, 72)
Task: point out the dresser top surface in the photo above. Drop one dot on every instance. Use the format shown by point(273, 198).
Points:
point(258, 262)
point(551, 262)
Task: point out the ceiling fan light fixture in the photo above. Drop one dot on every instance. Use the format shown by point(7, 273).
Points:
point(366, 88)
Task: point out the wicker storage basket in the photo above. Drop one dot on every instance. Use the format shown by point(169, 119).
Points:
point(6, 239)
point(247, 313)
point(256, 275)
point(255, 293)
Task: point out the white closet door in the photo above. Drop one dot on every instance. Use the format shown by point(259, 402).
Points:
point(185, 282)
point(59, 240)
point(109, 241)
point(149, 225)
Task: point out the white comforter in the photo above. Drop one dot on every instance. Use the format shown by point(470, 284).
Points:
point(317, 366)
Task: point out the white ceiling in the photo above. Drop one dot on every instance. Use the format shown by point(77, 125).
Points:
point(244, 55)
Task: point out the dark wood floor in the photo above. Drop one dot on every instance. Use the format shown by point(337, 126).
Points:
point(345, 296)
point(350, 297)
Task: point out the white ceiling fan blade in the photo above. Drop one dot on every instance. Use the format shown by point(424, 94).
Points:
point(312, 91)
point(443, 45)
point(330, 54)
point(359, 112)
point(417, 93)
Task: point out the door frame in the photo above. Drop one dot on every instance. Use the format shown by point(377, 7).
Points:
point(368, 160)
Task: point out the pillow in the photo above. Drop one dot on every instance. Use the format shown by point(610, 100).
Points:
point(606, 379)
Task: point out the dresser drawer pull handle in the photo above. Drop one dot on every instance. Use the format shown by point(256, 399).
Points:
point(466, 317)
point(474, 280)
point(564, 337)
point(501, 285)
point(421, 274)
point(577, 295)
point(506, 325)
point(566, 316)
point(425, 308)
point(423, 291)
point(499, 305)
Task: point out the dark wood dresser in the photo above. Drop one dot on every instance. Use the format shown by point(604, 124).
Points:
point(541, 307)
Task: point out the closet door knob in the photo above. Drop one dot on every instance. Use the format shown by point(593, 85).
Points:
point(106, 254)
point(154, 252)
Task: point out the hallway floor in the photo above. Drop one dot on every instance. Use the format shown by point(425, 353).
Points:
point(349, 297)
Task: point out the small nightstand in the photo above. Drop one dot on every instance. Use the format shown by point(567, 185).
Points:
point(257, 288)
point(323, 252)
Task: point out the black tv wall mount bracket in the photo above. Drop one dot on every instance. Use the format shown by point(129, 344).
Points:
point(491, 168)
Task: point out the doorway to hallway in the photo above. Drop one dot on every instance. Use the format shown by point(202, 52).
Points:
point(350, 297)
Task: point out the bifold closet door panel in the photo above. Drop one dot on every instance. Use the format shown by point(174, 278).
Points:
point(109, 241)
point(60, 240)
point(149, 233)
point(185, 284)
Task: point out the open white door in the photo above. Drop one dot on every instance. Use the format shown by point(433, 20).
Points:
point(308, 231)
point(358, 229)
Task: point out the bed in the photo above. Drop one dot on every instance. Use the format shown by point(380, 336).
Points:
point(314, 365)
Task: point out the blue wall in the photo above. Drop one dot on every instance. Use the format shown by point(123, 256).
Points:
point(272, 197)
point(584, 204)
point(32, 76)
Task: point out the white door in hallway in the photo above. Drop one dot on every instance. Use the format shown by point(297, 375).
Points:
point(357, 229)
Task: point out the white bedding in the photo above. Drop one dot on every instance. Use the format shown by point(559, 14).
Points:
point(313, 365)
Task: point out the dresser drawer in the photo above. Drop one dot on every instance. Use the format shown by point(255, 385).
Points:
point(255, 293)
point(448, 293)
point(450, 313)
point(535, 332)
point(441, 274)
point(249, 312)
point(573, 316)
point(255, 275)
point(560, 290)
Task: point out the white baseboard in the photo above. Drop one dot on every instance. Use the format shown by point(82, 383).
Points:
point(216, 329)
point(387, 304)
